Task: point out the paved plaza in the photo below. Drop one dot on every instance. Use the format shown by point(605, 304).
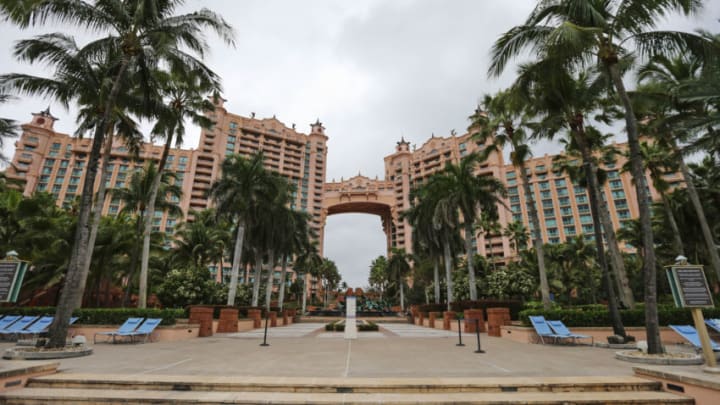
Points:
point(303, 349)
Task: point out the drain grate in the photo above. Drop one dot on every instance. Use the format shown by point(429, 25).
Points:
point(344, 390)
point(181, 387)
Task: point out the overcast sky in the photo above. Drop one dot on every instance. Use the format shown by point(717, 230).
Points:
point(371, 70)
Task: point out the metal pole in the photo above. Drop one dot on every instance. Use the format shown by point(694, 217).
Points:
point(460, 343)
point(477, 333)
point(267, 315)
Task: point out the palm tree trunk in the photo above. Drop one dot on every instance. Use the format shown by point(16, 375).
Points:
point(700, 212)
point(258, 277)
point(469, 258)
point(271, 269)
point(448, 275)
point(677, 241)
point(591, 176)
point(133, 262)
point(281, 288)
point(618, 264)
point(537, 239)
point(76, 276)
point(436, 279)
point(145, 258)
point(652, 324)
point(402, 296)
point(99, 200)
point(305, 290)
point(235, 270)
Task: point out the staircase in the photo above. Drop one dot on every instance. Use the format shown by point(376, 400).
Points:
point(140, 389)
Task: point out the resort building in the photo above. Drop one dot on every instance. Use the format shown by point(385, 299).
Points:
point(52, 162)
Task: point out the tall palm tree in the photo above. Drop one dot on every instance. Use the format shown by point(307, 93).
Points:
point(501, 123)
point(140, 34)
point(563, 102)
point(470, 193)
point(585, 32)
point(517, 234)
point(243, 186)
point(398, 268)
point(378, 274)
point(426, 241)
point(294, 239)
point(201, 242)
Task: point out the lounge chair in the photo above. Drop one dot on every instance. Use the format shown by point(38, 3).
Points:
point(8, 320)
point(559, 328)
point(543, 329)
point(128, 327)
point(42, 325)
point(146, 329)
point(19, 325)
point(691, 335)
point(713, 323)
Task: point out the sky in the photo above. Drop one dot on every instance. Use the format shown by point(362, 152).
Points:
point(371, 70)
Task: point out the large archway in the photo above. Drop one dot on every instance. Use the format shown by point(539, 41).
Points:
point(360, 195)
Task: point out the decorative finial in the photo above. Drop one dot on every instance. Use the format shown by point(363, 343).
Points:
point(293, 125)
point(452, 132)
point(432, 135)
point(252, 115)
point(274, 117)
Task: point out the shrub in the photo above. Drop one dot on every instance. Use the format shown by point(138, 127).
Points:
point(362, 327)
point(592, 316)
point(515, 306)
point(103, 316)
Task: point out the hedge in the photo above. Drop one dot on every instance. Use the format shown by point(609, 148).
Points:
point(515, 306)
point(362, 327)
point(630, 317)
point(102, 316)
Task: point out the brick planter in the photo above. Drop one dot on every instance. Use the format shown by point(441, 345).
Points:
point(470, 316)
point(431, 317)
point(497, 317)
point(285, 316)
point(448, 317)
point(421, 318)
point(228, 322)
point(204, 316)
point(273, 319)
point(256, 316)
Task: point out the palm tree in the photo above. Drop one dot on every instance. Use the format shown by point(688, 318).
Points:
point(579, 33)
point(243, 186)
point(563, 102)
point(398, 268)
point(294, 240)
point(469, 193)
point(378, 274)
point(201, 242)
point(501, 124)
point(306, 261)
point(184, 94)
point(140, 35)
point(517, 234)
point(330, 277)
point(8, 127)
point(426, 241)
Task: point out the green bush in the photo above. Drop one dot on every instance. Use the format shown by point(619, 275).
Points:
point(593, 316)
point(362, 327)
point(515, 306)
point(102, 316)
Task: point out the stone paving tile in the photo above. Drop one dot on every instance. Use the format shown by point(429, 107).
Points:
point(290, 331)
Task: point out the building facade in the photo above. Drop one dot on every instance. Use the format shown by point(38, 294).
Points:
point(47, 161)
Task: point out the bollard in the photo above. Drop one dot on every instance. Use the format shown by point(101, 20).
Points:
point(460, 343)
point(477, 333)
point(265, 343)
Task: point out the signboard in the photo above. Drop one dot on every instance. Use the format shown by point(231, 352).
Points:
point(12, 273)
point(350, 321)
point(689, 287)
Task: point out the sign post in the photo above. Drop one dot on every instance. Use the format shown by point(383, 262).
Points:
point(690, 290)
point(12, 273)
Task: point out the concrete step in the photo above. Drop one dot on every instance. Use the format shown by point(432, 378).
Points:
point(342, 385)
point(33, 396)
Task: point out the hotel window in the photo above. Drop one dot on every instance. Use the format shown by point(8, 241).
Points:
point(560, 183)
point(62, 172)
point(582, 208)
point(579, 190)
point(549, 213)
point(552, 232)
point(78, 172)
point(585, 219)
point(562, 192)
point(59, 180)
point(119, 184)
point(42, 187)
point(621, 203)
point(612, 174)
point(183, 159)
point(49, 162)
point(510, 175)
point(616, 184)
point(511, 182)
point(123, 168)
point(569, 230)
point(554, 241)
point(623, 214)
point(170, 158)
point(56, 188)
point(544, 185)
point(514, 199)
point(566, 211)
point(72, 189)
point(547, 204)
point(564, 201)
point(581, 199)
point(46, 170)
point(512, 190)
point(550, 223)
point(515, 208)
point(618, 194)
point(588, 229)
point(517, 217)
point(545, 194)
point(568, 221)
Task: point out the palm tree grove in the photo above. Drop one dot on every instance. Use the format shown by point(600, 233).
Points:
point(617, 96)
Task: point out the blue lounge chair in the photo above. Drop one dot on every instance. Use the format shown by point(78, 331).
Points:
point(691, 335)
point(42, 325)
point(8, 320)
point(543, 329)
point(126, 328)
point(713, 323)
point(146, 329)
point(19, 326)
point(559, 328)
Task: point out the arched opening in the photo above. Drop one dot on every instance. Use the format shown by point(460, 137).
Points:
point(353, 241)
